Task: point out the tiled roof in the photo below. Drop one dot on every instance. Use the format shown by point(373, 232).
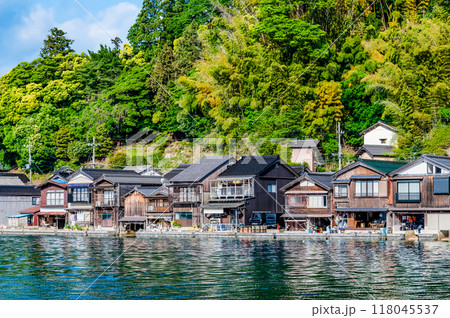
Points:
point(131, 179)
point(441, 160)
point(324, 178)
point(172, 173)
point(383, 166)
point(97, 173)
point(146, 191)
point(380, 123)
point(376, 150)
point(201, 169)
point(250, 166)
point(306, 143)
point(19, 190)
point(21, 176)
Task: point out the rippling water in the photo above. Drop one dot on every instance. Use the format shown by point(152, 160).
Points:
point(213, 268)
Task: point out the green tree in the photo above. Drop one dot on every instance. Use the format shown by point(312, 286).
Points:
point(56, 43)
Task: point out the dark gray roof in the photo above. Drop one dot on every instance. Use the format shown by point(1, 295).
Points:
point(172, 173)
point(380, 123)
point(253, 166)
point(300, 169)
point(19, 190)
point(444, 161)
point(131, 179)
point(223, 205)
point(201, 169)
point(361, 209)
point(322, 178)
point(375, 150)
point(21, 176)
point(97, 173)
point(145, 191)
point(305, 143)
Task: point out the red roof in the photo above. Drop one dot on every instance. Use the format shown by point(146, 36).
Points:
point(31, 210)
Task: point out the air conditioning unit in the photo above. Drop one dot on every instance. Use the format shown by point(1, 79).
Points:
point(151, 208)
point(98, 203)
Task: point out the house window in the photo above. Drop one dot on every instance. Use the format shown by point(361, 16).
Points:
point(366, 188)
point(383, 141)
point(187, 195)
point(301, 201)
point(441, 185)
point(183, 216)
point(429, 168)
point(80, 195)
point(55, 197)
point(272, 188)
point(408, 191)
point(35, 200)
point(340, 191)
point(317, 201)
point(108, 197)
point(437, 170)
point(307, 183)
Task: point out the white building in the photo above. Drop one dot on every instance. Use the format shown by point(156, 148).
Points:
point(379, 140)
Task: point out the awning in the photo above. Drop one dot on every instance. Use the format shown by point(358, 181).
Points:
point(159, 217)
point(366, 177)
point(320, 215)
point(294, 216)
point(52, 213)
point(213, 211)
point(340, 181)
point(223, 205)
point(19, 215)
point(80, 185)
point(418, 210)
point(133, 219)
point(361, 209)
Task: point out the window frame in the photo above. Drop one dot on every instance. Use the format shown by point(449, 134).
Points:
point(368, 186)
point(316, 198)
point(338, 193)
point(54, 198)
point(410, 197)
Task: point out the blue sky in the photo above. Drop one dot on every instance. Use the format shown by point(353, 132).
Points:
point(24, 24)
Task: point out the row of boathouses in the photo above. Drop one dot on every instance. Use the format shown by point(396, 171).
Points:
point(218, 191)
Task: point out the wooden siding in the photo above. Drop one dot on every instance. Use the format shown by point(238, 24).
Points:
point(135, 204)
point(428, 198)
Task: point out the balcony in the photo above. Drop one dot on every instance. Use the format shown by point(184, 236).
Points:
point(413, 197)
point(186, 197)
point(232, 189)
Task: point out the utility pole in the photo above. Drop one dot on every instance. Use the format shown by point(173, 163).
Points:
point(29, 159)
point(339, 133)
point(93, 145)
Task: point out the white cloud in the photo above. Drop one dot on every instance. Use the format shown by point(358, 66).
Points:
point(34, 27)
point(112, 22)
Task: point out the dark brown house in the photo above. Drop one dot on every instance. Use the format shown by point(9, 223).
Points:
point(252, 185)
point(363, 193)
point(421, 195)
point(108, 192)
point(309, 202)
point(190, 188)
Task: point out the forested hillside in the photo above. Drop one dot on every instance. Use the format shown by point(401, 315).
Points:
point(256, 68)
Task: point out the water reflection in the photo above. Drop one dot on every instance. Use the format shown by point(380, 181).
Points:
point(33, 267)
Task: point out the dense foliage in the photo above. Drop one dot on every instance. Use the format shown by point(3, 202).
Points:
point(258, 68)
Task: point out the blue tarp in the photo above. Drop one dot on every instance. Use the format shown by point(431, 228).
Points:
point(19, 215)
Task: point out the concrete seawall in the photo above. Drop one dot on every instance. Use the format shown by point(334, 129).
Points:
point(194, 234)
